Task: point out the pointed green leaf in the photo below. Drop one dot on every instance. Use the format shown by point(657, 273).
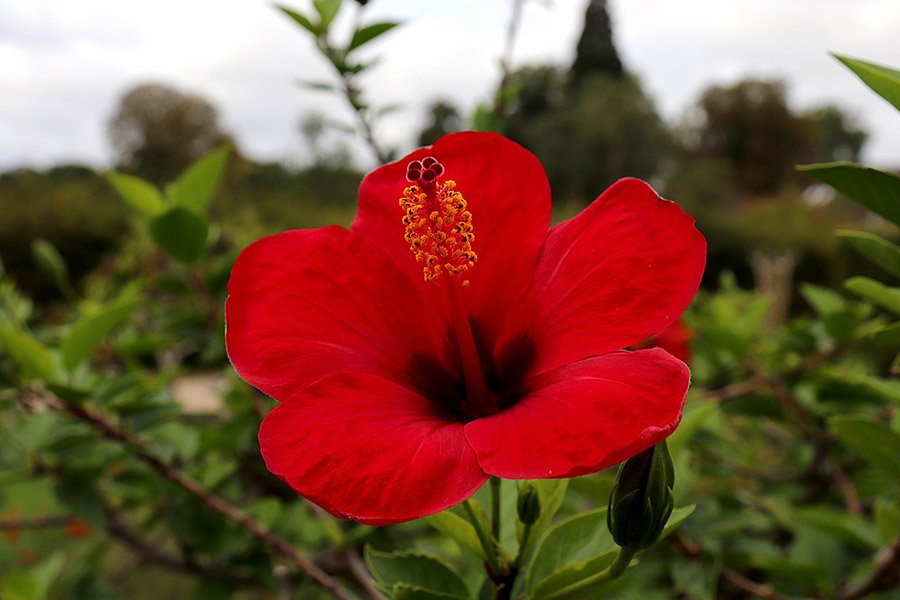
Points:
point(679, 515)
point(195, 186)
point(884, 81)
point(888, 336)
point(328, 10)
point(875, 442)
point(458, 529)
point(140, 194)
point(301, 20)
point(181, 233)
point(879, 250)
point(581, 537)
point(404, 591)
point(415, 570)
point(366, 34)
point(572, 574)
point(887, 297)
point(877, 190)
point(51, 262)
point(33, 358)
point(90, 329)
point(319, 86)
point(551, 492)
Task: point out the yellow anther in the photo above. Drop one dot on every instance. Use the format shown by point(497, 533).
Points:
point(445, 236)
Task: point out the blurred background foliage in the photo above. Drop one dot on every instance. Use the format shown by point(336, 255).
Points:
point(129, 466)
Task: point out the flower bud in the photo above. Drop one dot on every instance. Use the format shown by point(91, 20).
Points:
point(642, 500)
point(529, 504)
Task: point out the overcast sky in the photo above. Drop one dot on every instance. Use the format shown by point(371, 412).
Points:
point(64, 65)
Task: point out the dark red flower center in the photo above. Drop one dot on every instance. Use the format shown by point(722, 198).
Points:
point(440, 235)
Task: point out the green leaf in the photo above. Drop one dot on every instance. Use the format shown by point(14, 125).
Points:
point(140, 194)
point(328, 10)
point(301, 20)
point(865, 386)
point(458, 529)
point(877, 190)
point(679, 515)
point(319, 86)
point(195, 186)
point(33, 358)
point(888, 336)
point(879, 250)
point(887, 519)
point(875, 291)
point(366, 34)
point(182, 233)
point(579, 538)
point(883, 80)
point(90, 329)
point(874, 442)
point(52, 264)
point(695, 416)
point(551, 492)
point(403, 591)
point(572, 574)
point(840, 523)
point(415, 570)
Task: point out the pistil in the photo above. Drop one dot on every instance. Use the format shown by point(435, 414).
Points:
point(440, 235)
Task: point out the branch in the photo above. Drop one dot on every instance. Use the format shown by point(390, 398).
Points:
point(216, 503)
point(148, 553)
point(751, 587)
point(885, 575)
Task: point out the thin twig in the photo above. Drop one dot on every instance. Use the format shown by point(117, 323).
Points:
point(361, 573)
point(885, 575)
point(149, 553)
point(211, 501)
point(751, 587)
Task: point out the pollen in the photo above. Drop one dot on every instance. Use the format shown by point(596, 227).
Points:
point(438, 225)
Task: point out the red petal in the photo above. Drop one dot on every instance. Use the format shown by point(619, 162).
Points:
point(369, 450)
point(307, 303)
point(619, 272)
point(584, 417)
point(509, 197)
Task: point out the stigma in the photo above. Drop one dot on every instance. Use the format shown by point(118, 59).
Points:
point(438, 225)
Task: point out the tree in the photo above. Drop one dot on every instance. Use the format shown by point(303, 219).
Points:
point(602, 131)
point(158, 130)
point(835, 135)
point(750, 125)
point(596, 53)
point(443, 118)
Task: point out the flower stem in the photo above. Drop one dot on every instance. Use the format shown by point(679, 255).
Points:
point(490, 548)
point(495, 507)
point(523, 547)
point(613, 571)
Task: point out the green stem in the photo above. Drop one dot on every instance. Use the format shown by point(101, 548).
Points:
point(613, 571)
point(523, 547)
point(484, 537)
point(495, 508)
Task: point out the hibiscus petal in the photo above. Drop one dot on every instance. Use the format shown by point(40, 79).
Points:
point(509, 197)
point(370, 450)
point(307, 303)
point(619, 272)
point(584, 417)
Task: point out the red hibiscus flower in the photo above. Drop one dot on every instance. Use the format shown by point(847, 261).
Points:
point(453, 337)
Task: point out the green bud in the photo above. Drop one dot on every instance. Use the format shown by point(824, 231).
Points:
point(642, 500)
point(529, 504)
